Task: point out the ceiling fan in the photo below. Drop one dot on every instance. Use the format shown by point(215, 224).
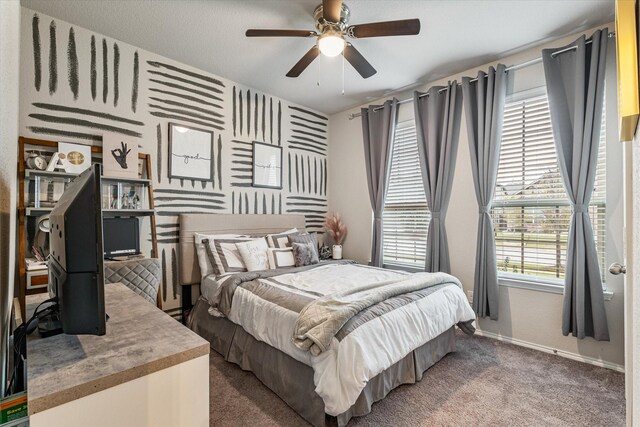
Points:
point(332, 18)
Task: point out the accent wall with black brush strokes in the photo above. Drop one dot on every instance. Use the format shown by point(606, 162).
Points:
point(77, 84)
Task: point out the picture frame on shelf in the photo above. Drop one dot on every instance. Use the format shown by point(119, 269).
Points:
point(119, 156)
point(190, 153)
point(74, 158)
point(267, 166)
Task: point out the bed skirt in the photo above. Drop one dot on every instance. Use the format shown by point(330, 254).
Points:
point(292, 380)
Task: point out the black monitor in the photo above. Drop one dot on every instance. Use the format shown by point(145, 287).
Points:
point(121, 236)
point(76, 275)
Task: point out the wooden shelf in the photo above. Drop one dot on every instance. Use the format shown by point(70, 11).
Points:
point(142, 181)
point(37, 211)
point(28, 173)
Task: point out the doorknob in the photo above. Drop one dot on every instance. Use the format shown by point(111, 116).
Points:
point(617, 268)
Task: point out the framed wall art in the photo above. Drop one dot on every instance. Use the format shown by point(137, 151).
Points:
point(190, 153)
point(267, 165)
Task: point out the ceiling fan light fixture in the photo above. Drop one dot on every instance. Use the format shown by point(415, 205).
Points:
point(331, 43)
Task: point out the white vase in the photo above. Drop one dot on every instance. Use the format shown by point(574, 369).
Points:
point(337, 252)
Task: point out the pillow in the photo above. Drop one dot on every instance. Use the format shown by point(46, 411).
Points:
point(305, 238)
point(254, 254)
point(206, 267)
point(281, 240)
point(280, 257)
point(224, 256)
point(305, 254)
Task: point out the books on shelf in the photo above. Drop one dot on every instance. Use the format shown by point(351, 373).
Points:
point(33, 264)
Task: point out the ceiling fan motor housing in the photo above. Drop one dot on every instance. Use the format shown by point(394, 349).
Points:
point(322, 25)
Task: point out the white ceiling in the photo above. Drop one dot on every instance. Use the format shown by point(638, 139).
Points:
point(456, 35)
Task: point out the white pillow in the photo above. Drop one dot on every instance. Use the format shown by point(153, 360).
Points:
point(281, 240)
point(280, 257)
point(224, 255)
point(206, 267)
point(254, 254)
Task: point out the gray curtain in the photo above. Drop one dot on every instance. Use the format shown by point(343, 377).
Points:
point(484, 100)
point(437, 115)
point(575, 87)
point(378, 128)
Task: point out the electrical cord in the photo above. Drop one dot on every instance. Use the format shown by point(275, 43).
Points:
point(26, 328)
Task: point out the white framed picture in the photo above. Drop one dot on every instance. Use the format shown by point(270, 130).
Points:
point(190, 153)
point(119, 156)
point(75, 158)
point(267, 165)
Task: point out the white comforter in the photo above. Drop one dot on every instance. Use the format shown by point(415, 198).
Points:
point(342, 372)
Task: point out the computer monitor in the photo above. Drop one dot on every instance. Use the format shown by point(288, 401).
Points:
point(76, 275)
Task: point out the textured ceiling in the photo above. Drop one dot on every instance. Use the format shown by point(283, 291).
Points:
point(456, 35)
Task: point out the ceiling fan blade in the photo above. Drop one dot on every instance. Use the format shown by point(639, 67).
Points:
point(304, 62)
point(280, 33)
point(405, 27)
point(331, 10)
point(356, 59)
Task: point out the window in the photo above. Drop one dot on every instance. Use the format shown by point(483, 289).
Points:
point(405, 216)
point(531, 210)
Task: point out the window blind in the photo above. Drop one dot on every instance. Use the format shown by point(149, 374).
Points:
point(405, 216)
point(531, 210)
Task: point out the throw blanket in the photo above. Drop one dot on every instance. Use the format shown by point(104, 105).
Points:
point(320, 321)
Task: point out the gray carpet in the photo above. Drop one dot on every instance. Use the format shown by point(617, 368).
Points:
point(484, 383)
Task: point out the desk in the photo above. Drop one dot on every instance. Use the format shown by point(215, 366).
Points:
point(148, 370)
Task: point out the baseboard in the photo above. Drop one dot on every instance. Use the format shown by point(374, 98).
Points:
point(545, 349)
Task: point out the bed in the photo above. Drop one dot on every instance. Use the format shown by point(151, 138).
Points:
point(329, 339)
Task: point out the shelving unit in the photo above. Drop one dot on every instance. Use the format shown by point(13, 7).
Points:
point(35, 281)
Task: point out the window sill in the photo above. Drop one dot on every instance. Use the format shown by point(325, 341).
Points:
point(553, 286)
point(402, 267)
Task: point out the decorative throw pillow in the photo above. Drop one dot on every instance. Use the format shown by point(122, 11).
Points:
point(206, 267)
point(281, 240)
point(305, 238)
point(254, 254)
point(305, 254)
point(224, 256)
point(280, 257)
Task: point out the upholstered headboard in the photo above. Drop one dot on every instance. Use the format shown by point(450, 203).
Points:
point(224, 224)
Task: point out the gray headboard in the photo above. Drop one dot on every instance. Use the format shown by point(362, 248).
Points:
point(224, 224)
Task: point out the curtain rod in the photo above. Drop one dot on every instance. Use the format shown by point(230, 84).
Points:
point(510, 68)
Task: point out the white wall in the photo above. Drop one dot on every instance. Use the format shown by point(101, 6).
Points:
point(533, 317)
point(9, 84)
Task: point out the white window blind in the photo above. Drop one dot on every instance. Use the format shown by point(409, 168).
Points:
point(531, 210)
point(405, 216)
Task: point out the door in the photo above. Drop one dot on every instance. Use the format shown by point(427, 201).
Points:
point(632, 280)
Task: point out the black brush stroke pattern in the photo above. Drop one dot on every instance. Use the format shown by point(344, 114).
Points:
point(72, 61)
point(183, 192)
point(246, 203)
point(311, 113)
point(187, 106)
point(85, 123)
point(157, 64)
point(273, 203)
point(134, 86)
point(212, 166)
point(159, 155)
point(255, 203)
point(315, 175)
point(294, 147)
point(184, 119)
point(53, 59)
point(321, 177)
point(264, 111)
point(307, 143)
point(309, 173)
point(186, 89)
point(289, 170)
point(317, 199)
point(271, 120)
point(294, 116)
point(255, 117)
point(190, 205)
point(187, 97)
point(93, 72)
point(302, 174)
point(174, 273)
point(116, 72)
point(233, 202)
point(308, 127)
point(297, 175)
point(187, 113)
point(59, 132)
point(326, 172)
point(313, 135)
point(280, 203)
point(241, 114)
point(233, 101)
point(248, 112)
point(187, 81)
point(105, 71)
point(219, 162)
point(37, 58)
point(164, 276)
point(239, 202)
point(279, 123)
point(203, 200)
point(55, 107)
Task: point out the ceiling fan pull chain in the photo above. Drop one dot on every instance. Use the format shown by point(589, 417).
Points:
point(319, 73)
